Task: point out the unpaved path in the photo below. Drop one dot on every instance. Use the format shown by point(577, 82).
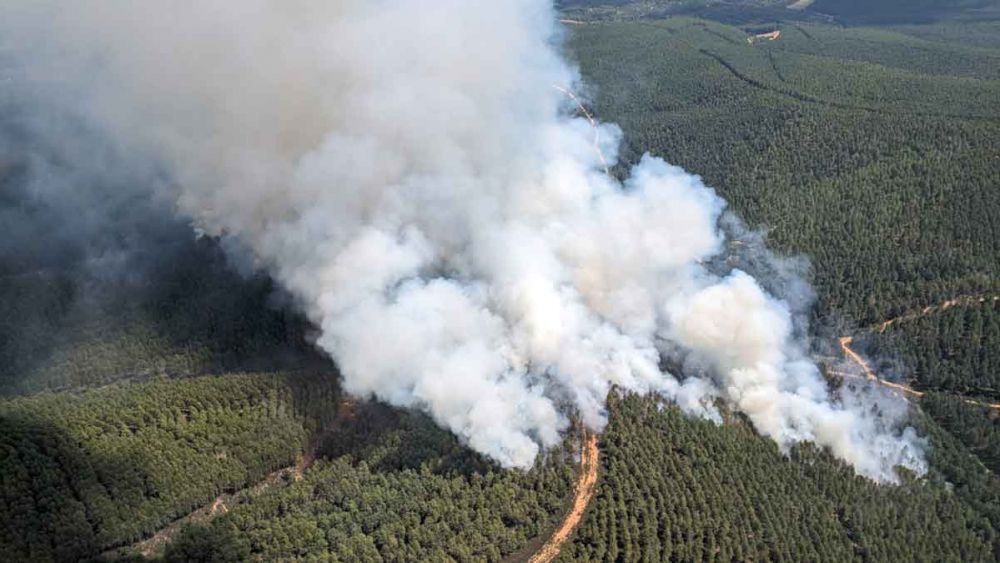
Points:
point(593, 124)
point(804, 97)
point(869, 373)
point(963, 300)
point(154, 544)
point(585, 487)
point(845, 346)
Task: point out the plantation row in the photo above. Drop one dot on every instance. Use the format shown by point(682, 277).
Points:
point(406, 492)
point(676, 488)
point(187, 313)
point(951, 351)
point(861, 167)
point(872, 152)
point(82, 472)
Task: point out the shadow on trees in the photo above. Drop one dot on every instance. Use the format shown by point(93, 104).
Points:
point(59, 501)
point(390, 439)
point(181, 308)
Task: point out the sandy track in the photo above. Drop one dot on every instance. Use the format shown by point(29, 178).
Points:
point(963, 300)
point(585, 487)
point(869, 373)
point(152, 545)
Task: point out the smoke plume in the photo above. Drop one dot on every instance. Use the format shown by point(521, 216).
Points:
point(411, 172)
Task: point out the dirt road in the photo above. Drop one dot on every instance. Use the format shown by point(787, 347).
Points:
point(346, 411)
point(593, 124)
point(943, 306)
point(155, 543)
point(849, 353)
point(586, 485)
point(845, 347)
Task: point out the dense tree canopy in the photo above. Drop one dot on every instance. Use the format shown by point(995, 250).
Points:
point(953, 350)
point(678, 489)
point(870, 150)
point(884, 176)
point(87, 471)
point(403, 490)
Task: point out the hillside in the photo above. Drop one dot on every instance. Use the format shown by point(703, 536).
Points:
point(167, 402)
point(674, 488)
point(881, 171)
point(843, 12)
point(896, 11)
point(870, 151)
point(84, 472)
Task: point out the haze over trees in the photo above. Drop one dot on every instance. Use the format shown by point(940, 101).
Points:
point(87, 471)
point(891, 196)
point(871, 150)
point(679, 489)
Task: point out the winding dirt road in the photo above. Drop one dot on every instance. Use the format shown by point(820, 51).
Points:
point(158, 541)
point(943, 306)
point(845, 346)
point(346, 410)
point(869, 373)
point(585, 487)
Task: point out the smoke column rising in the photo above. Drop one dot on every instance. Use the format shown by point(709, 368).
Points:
point(408, 172)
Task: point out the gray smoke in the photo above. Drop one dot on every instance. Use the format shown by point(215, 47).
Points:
point(407, 170)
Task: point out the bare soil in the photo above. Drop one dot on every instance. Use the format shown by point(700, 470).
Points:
point(585, 487)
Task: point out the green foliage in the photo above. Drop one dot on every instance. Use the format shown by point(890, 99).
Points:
point(61, 329)
point(894, 49)
point(953, 350)
point(215, 544)
point(983, 33)
point(872, 151)
point(407, 491)
point(878, 162)
point(975, 426)
point(86, 471)
point(884, 177)
point(897, 10)
point(675, 488)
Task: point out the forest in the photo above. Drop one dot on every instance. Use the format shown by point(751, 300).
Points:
point(62, 328)
point(951, 351)
point(392, 487)
point(871, 152)
point(84, 472)
point(843, 12)
point(874, 11)
point(126, 406)
point(893, 199)
point(679, 489)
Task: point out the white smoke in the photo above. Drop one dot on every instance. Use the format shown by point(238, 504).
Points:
point(407, 170)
